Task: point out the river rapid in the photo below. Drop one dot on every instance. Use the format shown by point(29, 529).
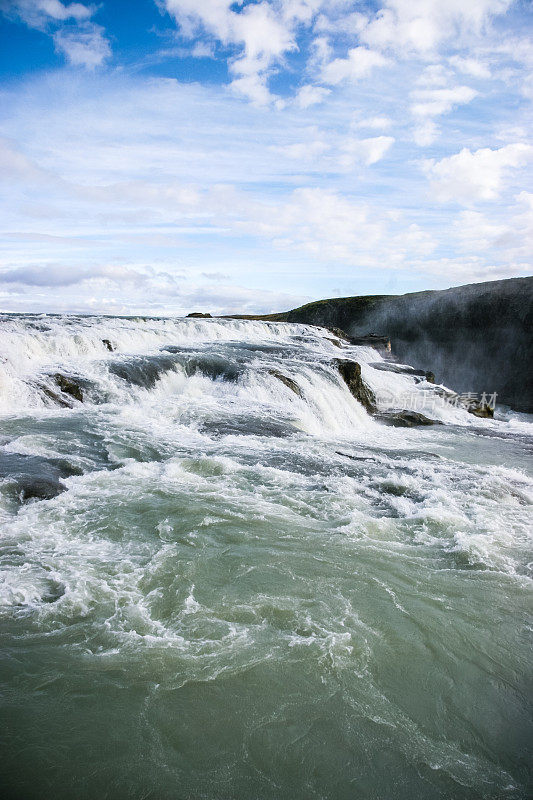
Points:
point(215, 586)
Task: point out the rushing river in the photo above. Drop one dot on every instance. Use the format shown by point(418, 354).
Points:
point(247, 592)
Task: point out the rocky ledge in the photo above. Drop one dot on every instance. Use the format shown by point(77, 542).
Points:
point(350, 372)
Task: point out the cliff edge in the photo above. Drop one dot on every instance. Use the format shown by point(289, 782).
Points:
point(477, 337)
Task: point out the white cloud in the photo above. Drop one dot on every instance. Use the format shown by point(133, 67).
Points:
point(131, 289)
point(350, 23)
point(60, 275)
point(435, 102)
point(80, 40)
point(203, 50)
point(259, 36)
point(319, 222)
point(40, 13)
point(127, 171)
point(426, 133)
point(360, 62)
point(468, 176)
point(320, 53)
point(476, 232)
point(434, 75)
point(341, 153)
point(56, 10)
point(85, 46)
point(303, 150)
point(309, 95)
point(262, 33)
point(422, 25)
point(470, 66)
point(469, 269)
point(512, 235)
point(252, 87)
point(366, 151)
point(374, 123)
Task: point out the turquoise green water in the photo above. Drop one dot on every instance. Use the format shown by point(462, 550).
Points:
point(238, 596)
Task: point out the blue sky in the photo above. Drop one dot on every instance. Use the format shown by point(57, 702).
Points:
point(174, 155)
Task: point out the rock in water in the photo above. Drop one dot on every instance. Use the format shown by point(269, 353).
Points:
point(481, 410)
point(351, 374)
point(39, 489)
point(199, 315)
point(339, 334)
point(54, 396)
point(69, 386)
point(33, 477)
point(108, 345)
point(405, 419)
point(287, 381)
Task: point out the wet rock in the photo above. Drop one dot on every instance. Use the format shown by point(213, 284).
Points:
point(33, 477)
point(55, 397)
point(354, 458)
point(380, 343)
point(108, 344)
point(69, 386)
point(404, 369)
point(350, 372)
point(339, 334)
point(481, 410)
point(199, 315)
point(289, 382)
point(405, 419)
point(39, 488)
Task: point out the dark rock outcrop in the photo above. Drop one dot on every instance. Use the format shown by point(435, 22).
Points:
point(478, 338)
point(108, 344)
point(351, 374)
point(481, 410)
point(199, 315)
point(69, 386)
point(33, 477)
point(405, 419)
point(380, 343)
point(289, 382)
point(339, 334)
point(39, 489)
point(56, 397)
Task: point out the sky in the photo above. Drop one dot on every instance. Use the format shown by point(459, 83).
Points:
point(167, 156)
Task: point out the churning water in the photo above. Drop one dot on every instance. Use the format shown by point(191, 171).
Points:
point(215, 586)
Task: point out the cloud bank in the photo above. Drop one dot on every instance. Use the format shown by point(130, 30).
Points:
point(323, 147)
